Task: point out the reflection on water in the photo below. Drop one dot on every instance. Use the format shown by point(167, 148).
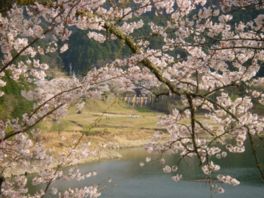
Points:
point(131, 180)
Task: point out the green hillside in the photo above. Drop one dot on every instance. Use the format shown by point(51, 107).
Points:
point(12, 104)
point(111, 116)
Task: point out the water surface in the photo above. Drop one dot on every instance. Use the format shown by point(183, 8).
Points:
point(130, 180)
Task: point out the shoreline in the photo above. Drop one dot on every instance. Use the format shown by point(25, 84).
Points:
point(103, 147)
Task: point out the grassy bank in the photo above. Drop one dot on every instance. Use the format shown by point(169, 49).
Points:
point(102, 117)
point(106, 125)
point(103, 127)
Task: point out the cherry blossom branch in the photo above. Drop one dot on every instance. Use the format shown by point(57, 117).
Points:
point(135, 49)
point(53, 97)
point(254, 153)
point(237, 47)
point(32, 42)
point(136, 9)
point(192, 118)
point(204, 128)
point(9, 135)
point(70, 90)
point(22, 50)
point(74, 146)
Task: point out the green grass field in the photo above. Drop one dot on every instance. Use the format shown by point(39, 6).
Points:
point(99, 116)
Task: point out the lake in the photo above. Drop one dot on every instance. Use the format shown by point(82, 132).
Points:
point(128, 179)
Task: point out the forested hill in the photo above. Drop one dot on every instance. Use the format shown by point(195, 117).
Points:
point(84, 54)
